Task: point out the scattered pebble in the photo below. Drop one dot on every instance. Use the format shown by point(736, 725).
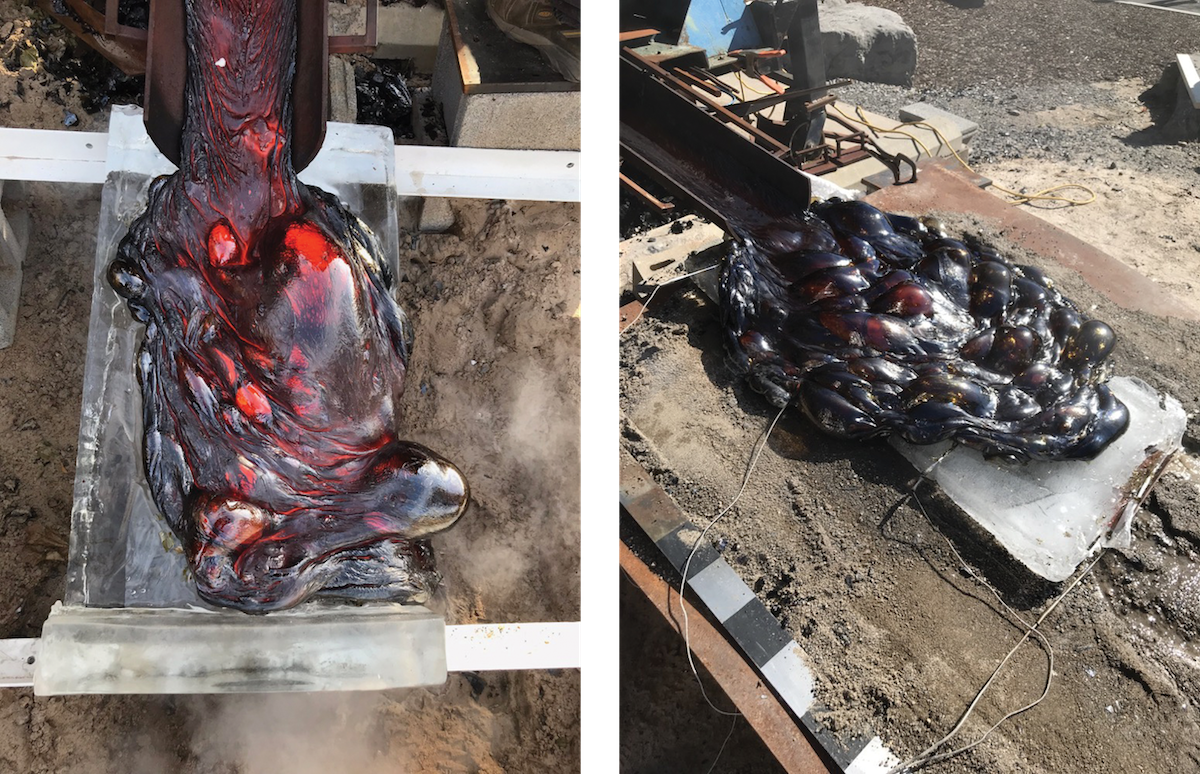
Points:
point(20, 514)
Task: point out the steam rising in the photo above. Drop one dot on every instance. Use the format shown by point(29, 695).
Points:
point(539, 448)
point(295, 733)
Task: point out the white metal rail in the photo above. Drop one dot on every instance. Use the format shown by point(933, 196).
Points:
point(421, 170)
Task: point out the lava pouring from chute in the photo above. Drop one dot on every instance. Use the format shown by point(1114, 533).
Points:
point(274, 355)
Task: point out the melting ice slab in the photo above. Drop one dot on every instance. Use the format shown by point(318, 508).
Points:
point(1053, 515)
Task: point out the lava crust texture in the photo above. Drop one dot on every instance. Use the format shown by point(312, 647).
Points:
point(878, 324)
point(274, 354)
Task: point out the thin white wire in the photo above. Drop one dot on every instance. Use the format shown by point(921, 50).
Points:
point(930, 754)
point(687, 635)
point(650, 298)
point(728, 736)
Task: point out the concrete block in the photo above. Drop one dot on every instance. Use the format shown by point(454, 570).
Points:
point(923, 111)
point(523, 120)
point(14, 240)
point(1184, 123)
point(437, 216)
point(1190, 77)
point(446, 85)
point(343, 99)
point(346, 19)
point(659, 254)
point(867, 44)
point(1173, 98)
point(428, 125)
point(405, 32)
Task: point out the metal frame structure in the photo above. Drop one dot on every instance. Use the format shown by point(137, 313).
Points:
point(55, 155)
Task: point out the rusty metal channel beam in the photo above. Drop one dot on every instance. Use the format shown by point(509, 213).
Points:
point(761, 709)
point(697, 155)
point(88, 24)
point(778, 662)
point(166, 74)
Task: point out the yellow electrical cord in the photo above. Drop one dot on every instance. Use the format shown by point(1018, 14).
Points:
point(1044, 195)
point(745, 88)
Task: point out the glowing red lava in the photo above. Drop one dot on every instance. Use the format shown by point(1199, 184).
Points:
point(275, 354)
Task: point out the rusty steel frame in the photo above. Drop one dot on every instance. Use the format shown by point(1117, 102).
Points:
point(719, 111)
point(701, 89)
point(88, 24)
point(663, 117)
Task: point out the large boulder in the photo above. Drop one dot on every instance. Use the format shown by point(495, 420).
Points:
point(867, 43)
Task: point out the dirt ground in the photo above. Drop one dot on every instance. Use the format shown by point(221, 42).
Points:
point(1151, 216)
point(494, 384)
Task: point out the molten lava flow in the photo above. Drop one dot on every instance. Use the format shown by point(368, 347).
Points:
point(880, 324)
point(274, 355)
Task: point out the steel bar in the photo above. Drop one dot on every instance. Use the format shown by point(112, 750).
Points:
point(488, 647)
point(697, 82)
point(649, 198)
point(17, 659)
point(762, 103)
point(486, 173)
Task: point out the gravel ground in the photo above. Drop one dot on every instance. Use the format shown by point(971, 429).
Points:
point(1105, 126)
point(998, 43)
point(998, 63)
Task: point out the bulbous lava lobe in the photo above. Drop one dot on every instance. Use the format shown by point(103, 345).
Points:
point(878, 324)
point(274, 355)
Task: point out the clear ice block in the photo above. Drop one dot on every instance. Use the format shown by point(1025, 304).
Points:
point(123, 557)
point(1052, 515)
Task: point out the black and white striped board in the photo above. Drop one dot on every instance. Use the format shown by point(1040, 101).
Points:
point(773, 652)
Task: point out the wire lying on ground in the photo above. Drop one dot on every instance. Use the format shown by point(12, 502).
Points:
point(931, 754)
point(695, 546)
